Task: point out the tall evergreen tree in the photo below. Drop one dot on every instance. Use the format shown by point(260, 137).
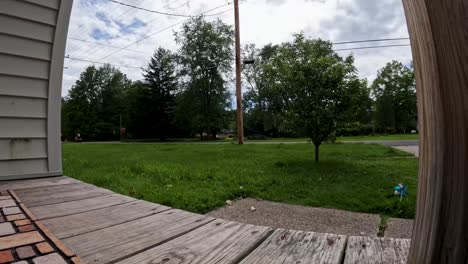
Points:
point(161, 81)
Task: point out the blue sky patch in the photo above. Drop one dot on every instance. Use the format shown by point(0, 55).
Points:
point(129, 28)
point(103, 17)
point(99, 34)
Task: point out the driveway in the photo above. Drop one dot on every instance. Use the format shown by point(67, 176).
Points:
point(410, 146)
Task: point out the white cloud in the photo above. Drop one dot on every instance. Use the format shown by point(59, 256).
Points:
point(262, 22)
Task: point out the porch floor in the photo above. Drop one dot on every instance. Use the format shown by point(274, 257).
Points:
point(100, 226)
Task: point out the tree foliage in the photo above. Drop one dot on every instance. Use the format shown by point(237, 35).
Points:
point(95, 104)
point(151, 110)
point(394, 90)
point(318, 88)
point(205, 57)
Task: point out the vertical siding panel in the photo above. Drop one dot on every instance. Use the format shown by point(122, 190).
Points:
point(55, 87)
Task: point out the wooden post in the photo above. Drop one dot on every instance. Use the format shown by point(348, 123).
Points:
point(439, 36)
point(240, 119)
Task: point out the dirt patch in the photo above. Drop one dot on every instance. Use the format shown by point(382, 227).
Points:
point(399, 228)
point(410, 149)
point(279, 215)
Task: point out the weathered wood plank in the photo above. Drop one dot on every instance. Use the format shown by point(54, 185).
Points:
point(395, 250)
point(75, 207)
point(363, 250)
point(376, 250)
point(35, 183)
point(439, 40)
point(77, 224)
point(61, 197)
point(28, 11)
point(217, 242)
point(54, 189)
point(288, 246)
point(120, 241)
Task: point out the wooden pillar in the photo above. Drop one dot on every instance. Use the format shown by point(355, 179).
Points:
point(439, 40)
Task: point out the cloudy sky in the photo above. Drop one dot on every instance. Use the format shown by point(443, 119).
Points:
point(262, 21)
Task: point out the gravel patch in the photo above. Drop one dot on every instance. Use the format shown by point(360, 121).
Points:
point(399, 228)
point(297, 217)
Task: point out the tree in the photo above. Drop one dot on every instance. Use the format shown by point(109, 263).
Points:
point(316, 86)
point(158, 98)
point(394, 90)
point(263, 105)
point(205, 56)
point(95, 104)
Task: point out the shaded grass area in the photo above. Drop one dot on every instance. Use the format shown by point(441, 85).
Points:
point(199, 178)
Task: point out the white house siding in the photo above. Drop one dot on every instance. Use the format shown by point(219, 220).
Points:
point(32, 45)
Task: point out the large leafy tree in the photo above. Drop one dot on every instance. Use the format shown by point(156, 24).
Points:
point(95, 104)
point(316, 85)
point(263, 104)
point(394, 90)
point(205, 57)
point(152, 103)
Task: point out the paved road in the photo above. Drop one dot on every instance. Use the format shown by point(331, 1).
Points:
point(393, 143)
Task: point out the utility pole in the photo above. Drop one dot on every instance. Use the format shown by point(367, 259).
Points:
point(240, 119)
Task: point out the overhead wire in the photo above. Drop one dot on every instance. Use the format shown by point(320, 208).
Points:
point(91, 61)
point(375, 47)
point(96, 49)
point(158, 32)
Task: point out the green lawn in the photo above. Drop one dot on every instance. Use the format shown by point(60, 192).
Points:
point(199, 178)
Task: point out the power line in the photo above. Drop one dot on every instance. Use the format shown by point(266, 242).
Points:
point(95, 49)
point(368, 40)
point(79, 30)
point(156, 11)
point(357, 41)
point(105, 45)
point(149, 10)
point(117, 65)
point(375, 47)
point(160, 31)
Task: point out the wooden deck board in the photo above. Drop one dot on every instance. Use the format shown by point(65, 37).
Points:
point(217, 242)
point(80, 206)
point(54, 189)
point(376, 250)
point(120, 241)
point(55, 198)
point(73, 225)
point(104, 227)
point(35, 183)
point(288, 246)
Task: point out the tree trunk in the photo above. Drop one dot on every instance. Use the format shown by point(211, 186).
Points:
point(439, 40)
point(317, 152)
